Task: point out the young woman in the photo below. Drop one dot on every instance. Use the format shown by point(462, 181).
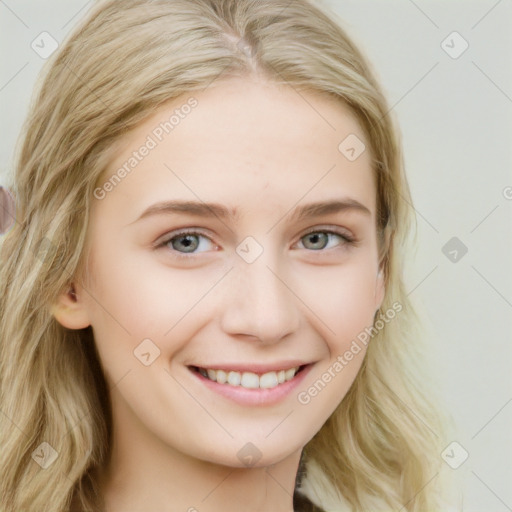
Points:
point(202, 305)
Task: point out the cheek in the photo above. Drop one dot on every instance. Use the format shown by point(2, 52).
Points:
point(133, 300)
point(125, 292)
point(345, 306)
point(121, 306)
point(344, 300)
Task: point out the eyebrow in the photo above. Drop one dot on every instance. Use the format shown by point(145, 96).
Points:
point(202, 209)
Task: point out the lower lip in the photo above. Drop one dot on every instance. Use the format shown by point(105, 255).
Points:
point(257, 396)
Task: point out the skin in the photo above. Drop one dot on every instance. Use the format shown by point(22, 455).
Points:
point(263, 149)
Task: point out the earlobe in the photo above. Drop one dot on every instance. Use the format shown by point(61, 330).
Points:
point(70, 311)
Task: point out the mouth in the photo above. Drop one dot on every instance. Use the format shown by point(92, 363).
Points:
point(249, 380)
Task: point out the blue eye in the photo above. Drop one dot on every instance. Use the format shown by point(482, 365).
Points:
point(190, 241)
point(185, 240)
point(320, 237)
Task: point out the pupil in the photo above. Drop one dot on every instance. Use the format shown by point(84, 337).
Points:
point(187, 241)
point(316, 238)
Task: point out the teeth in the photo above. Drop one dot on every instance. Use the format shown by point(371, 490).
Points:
point(288, 374)
point(269, 380)
point(234, 378)
point(249, 380)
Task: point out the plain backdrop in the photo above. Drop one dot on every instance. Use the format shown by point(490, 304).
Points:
point(446, 67)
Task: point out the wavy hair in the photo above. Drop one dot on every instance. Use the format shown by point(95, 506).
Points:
point(381, 447)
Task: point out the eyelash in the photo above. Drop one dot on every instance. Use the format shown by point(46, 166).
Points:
point(347, 240)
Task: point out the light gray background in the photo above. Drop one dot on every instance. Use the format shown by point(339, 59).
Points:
point(456, 119)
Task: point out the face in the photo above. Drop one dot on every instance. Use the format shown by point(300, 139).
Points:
point(254, 283)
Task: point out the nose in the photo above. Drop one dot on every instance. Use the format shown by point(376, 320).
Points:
point(259, 301)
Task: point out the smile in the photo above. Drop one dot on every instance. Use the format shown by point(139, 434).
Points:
point(249, 380)
point(252, 385)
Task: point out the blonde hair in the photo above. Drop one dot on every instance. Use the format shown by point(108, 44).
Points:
point(124, 60)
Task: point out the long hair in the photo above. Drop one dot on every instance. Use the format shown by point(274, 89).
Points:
point(124, 60)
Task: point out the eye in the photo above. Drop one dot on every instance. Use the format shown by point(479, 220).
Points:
point(318, 240)
point(186, 241)
point(185, 244)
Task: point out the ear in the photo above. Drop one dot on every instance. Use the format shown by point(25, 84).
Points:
point(380, 288)
point(70, 311)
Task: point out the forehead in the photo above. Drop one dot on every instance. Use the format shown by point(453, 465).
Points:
point(244, 140)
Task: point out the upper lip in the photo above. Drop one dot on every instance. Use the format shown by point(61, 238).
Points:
point(253, 367)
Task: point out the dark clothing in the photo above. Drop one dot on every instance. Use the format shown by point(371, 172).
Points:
point(303, 504)
point(300, 502)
